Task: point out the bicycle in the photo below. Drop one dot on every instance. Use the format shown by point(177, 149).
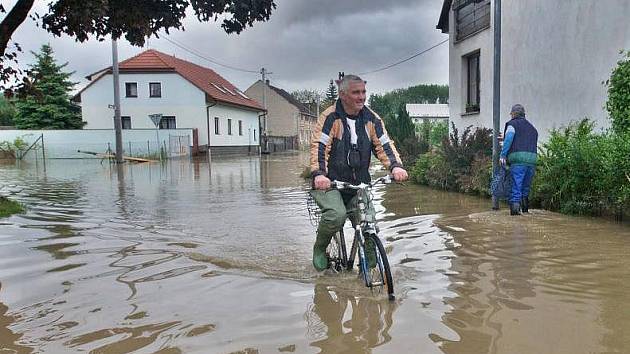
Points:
point(338, 260)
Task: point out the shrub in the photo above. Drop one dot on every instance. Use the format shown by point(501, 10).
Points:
point(618, 104)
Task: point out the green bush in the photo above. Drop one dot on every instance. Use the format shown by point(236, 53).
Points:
point(618, 104)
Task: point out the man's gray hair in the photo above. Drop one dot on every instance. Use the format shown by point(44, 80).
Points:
point(346, 80)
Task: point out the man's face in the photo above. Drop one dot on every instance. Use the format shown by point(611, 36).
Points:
point(353, 99)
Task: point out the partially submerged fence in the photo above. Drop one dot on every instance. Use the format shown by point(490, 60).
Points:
point(66, 144)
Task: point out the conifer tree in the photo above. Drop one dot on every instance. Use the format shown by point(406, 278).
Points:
point(47, 103)
point(331, 94)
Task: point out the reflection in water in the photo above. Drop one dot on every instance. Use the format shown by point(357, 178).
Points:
point(191, 257)
point(343, 323)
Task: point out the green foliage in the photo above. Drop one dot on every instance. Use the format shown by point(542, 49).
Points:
point(618, 104)
point(16, 148)
point(7, 112)
point(402, 130)
point(389, 103)
point(432, 132)
point(582, 172)
point(47, 105)
point(9, 207)
point(462, 163)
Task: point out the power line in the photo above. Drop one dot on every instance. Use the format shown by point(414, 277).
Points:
point(404, 60)
point(214, 61)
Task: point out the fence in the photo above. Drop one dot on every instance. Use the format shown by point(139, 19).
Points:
point(66, 144)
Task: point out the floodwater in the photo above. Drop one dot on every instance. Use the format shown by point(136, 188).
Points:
point(191, 257)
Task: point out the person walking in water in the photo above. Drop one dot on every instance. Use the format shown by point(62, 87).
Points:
point(520, 152)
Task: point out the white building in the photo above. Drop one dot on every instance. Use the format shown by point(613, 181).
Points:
point(554, 57)
point(186, 94)
point(420, 112)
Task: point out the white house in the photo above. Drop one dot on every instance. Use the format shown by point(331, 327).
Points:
point(554, 57)
point(186, 94)
point(420, 112)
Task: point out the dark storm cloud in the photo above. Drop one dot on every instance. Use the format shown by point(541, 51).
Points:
point(304, 44)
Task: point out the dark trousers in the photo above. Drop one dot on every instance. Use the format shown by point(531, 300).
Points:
point(522, 176)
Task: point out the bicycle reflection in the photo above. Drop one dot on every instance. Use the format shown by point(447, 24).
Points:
point(340, 322)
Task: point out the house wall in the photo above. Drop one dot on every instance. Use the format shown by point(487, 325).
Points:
point(179, 98)
point(555, 56)
point(282, 116)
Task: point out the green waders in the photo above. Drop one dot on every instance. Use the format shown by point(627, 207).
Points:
point(334, 206)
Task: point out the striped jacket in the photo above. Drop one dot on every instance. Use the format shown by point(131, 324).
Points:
point(330, 145)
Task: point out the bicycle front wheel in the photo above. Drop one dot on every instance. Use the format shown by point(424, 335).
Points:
point(337, 256)
point(381, 275)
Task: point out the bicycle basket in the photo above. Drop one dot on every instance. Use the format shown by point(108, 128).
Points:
point(314, 213)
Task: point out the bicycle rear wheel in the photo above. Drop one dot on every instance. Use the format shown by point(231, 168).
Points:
point(381, 275)
point(337, 256)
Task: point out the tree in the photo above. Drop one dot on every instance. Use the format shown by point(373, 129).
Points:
point(618, 104)
point(331, 94)
point(403, 131)
point(47, 105)
point(389, 103)
point(135, 20)
point(309, 98)
point(7, 112)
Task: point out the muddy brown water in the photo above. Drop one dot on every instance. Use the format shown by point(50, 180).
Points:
point(191, 257)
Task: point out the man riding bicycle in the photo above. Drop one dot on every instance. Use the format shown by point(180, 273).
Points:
point(343, 141)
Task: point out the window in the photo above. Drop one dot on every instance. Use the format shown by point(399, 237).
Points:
point(216, 125)
point(471, 16)
point(472, 82)
point(126, 122)
point(131, 89)
point(168, 122)
point(240, 127)
point(254, 134)
point(155, 89)
point(229, 127)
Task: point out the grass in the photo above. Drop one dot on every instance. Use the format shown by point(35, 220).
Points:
point(9, 207)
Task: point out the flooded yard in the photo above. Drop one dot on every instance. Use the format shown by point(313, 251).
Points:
point(198, 257)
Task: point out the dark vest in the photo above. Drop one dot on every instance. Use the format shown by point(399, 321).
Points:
point(526, 137)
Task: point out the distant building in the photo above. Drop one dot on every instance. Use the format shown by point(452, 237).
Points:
point(289, 122)
point(554, 57)
point(186, 94)
point(421, 112)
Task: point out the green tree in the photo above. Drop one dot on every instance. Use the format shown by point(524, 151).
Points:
point(331, 94)
point(403, 131)
point(47, 104)
point(618, 104)
point(389, 103)
point(7, 112)
point(135, 20)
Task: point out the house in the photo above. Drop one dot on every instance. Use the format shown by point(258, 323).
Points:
point(555, 56)
point(186, 94)
point(421, 112)
point(289, 122)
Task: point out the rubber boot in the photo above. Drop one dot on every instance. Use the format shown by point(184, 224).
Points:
point(525, 205)
point(320, 259)
point(515, 208)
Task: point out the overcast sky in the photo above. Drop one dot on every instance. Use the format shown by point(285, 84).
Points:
point(304, 45)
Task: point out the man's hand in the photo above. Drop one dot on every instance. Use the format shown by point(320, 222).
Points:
point(503, 161)
point(321, 182)
point(399, 174)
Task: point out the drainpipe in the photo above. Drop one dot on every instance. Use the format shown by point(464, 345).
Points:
point(208, 128)
point(496, 94)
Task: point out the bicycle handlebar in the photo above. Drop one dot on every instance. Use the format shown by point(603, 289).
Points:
point(345, 185)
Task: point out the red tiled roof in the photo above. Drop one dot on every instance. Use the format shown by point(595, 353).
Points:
point(155, 61)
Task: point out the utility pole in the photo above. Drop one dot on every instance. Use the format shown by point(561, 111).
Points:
point(496, 94)
point(117, 120)
point(264, 74)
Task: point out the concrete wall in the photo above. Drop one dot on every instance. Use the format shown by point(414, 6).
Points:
point(179, 98)
point(282, 116)
point(555, 55)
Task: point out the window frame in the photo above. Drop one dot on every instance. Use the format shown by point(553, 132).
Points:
point(166, 121)
point(473, 103)
point(229, 126)
point(479, 10)
point(217, 126)
point(122, 122)
point(127, 86)
point(151, 95)
point(240, 127)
